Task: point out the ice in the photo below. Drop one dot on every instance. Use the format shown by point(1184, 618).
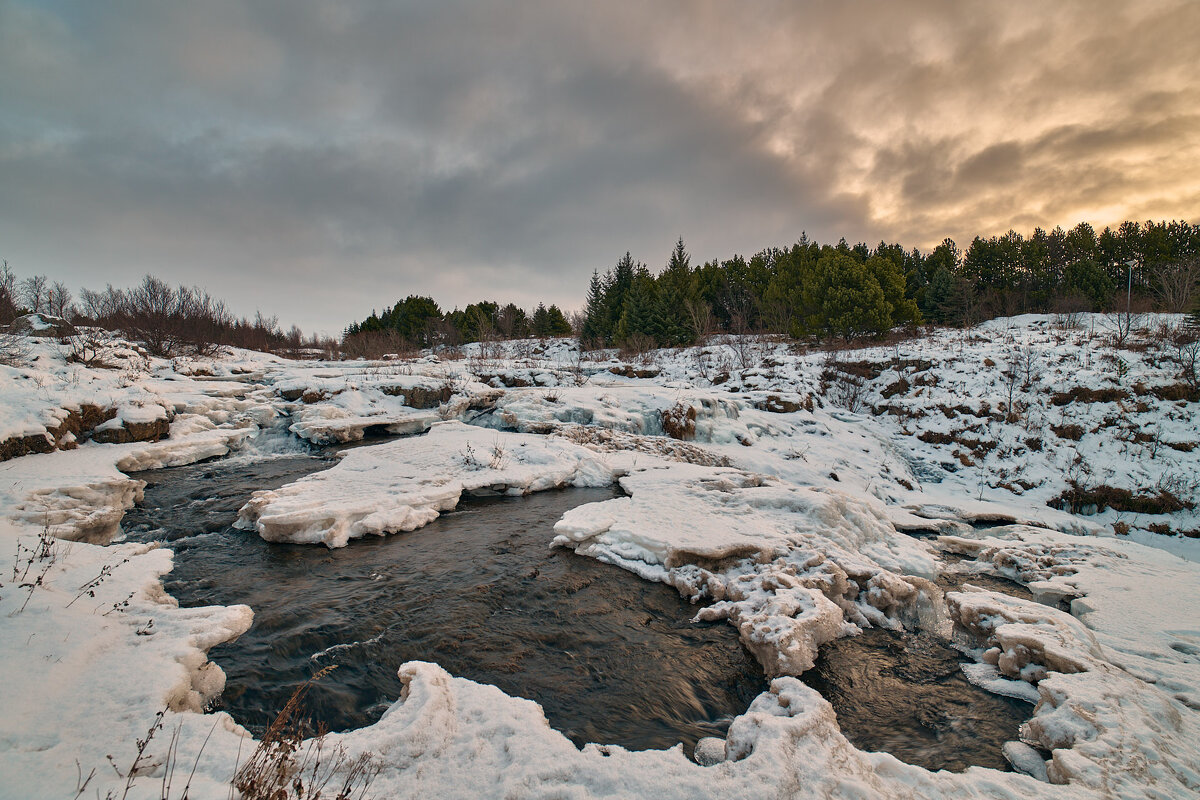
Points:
point(403, 485)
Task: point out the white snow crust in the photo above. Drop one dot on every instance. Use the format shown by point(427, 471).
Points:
point(752, 484)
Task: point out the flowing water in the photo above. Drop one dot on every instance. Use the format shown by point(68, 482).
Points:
point(905, 693)
point(610, 657)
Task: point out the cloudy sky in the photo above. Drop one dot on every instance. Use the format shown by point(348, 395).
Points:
point(315, 160)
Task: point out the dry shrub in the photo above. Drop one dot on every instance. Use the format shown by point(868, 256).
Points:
point(1077, 498)
point(607, 440)
point(1072, 432)
point(679, 421)
point(1083, 394)
point(285, 767)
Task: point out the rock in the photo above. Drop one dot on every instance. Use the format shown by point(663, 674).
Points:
point(709, 751)
point(25, 445)
point(629, 372)
point(779, 405)
point(422, 397)
point(75, 427)
point(133, 432)
point(42, 325)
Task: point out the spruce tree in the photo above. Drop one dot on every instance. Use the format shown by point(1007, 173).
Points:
point(556, 322)
point(597, 330)
point(671, 326)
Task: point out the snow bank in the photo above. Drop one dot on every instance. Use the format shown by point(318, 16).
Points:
point(790, 567)
point(91, 653)
point(402, 485)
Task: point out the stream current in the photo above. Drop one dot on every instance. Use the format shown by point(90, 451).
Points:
point(610, 657)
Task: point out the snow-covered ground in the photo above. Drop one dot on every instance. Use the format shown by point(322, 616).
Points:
point(773, 487)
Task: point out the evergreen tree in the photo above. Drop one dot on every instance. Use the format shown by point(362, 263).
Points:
point(671, 326)
point(597, 329)
point(556, 322)
point(540, 324)
point(637, 316)
point(617, 292)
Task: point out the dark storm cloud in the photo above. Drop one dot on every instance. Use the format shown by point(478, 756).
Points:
point(315, 160)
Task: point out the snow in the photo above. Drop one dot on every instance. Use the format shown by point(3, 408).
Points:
point(774, 495)
point(405, 484)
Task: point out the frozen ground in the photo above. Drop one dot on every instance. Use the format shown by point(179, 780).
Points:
point(773, 487)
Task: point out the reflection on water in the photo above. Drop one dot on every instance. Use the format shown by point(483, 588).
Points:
point(610, 657)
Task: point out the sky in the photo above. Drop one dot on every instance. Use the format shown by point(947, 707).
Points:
point(316, 161)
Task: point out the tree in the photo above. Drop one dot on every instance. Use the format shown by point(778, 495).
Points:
point(843, 298)
point(637, 316)
point(1176, 284)
point(596, 325)
point(671, 326)
point(35, 291)
point(58, 300)
point(556, 322)
point(1087, 279)
point(512, 322)
point(8, 295)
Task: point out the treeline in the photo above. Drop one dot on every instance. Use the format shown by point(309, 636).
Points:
point(418, 322)
point(168, 320)
point(849, 291)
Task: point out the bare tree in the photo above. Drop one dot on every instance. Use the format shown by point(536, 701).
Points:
point(701, 316)
point(35, 291)
point(8, 295)
point(59, 299)
point(102, 307)
point(1176, 284)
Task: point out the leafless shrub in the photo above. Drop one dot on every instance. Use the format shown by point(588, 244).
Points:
point(378, 344)
point(90, 347)
point(44, 554)
point(14, 349)
point(499, 455)
point(841, 386)
point(1176, 284)
point(1185, 352)
point(637, 346)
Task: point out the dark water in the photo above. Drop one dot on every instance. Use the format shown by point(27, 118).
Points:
point(905, 693)
point(610, 657)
